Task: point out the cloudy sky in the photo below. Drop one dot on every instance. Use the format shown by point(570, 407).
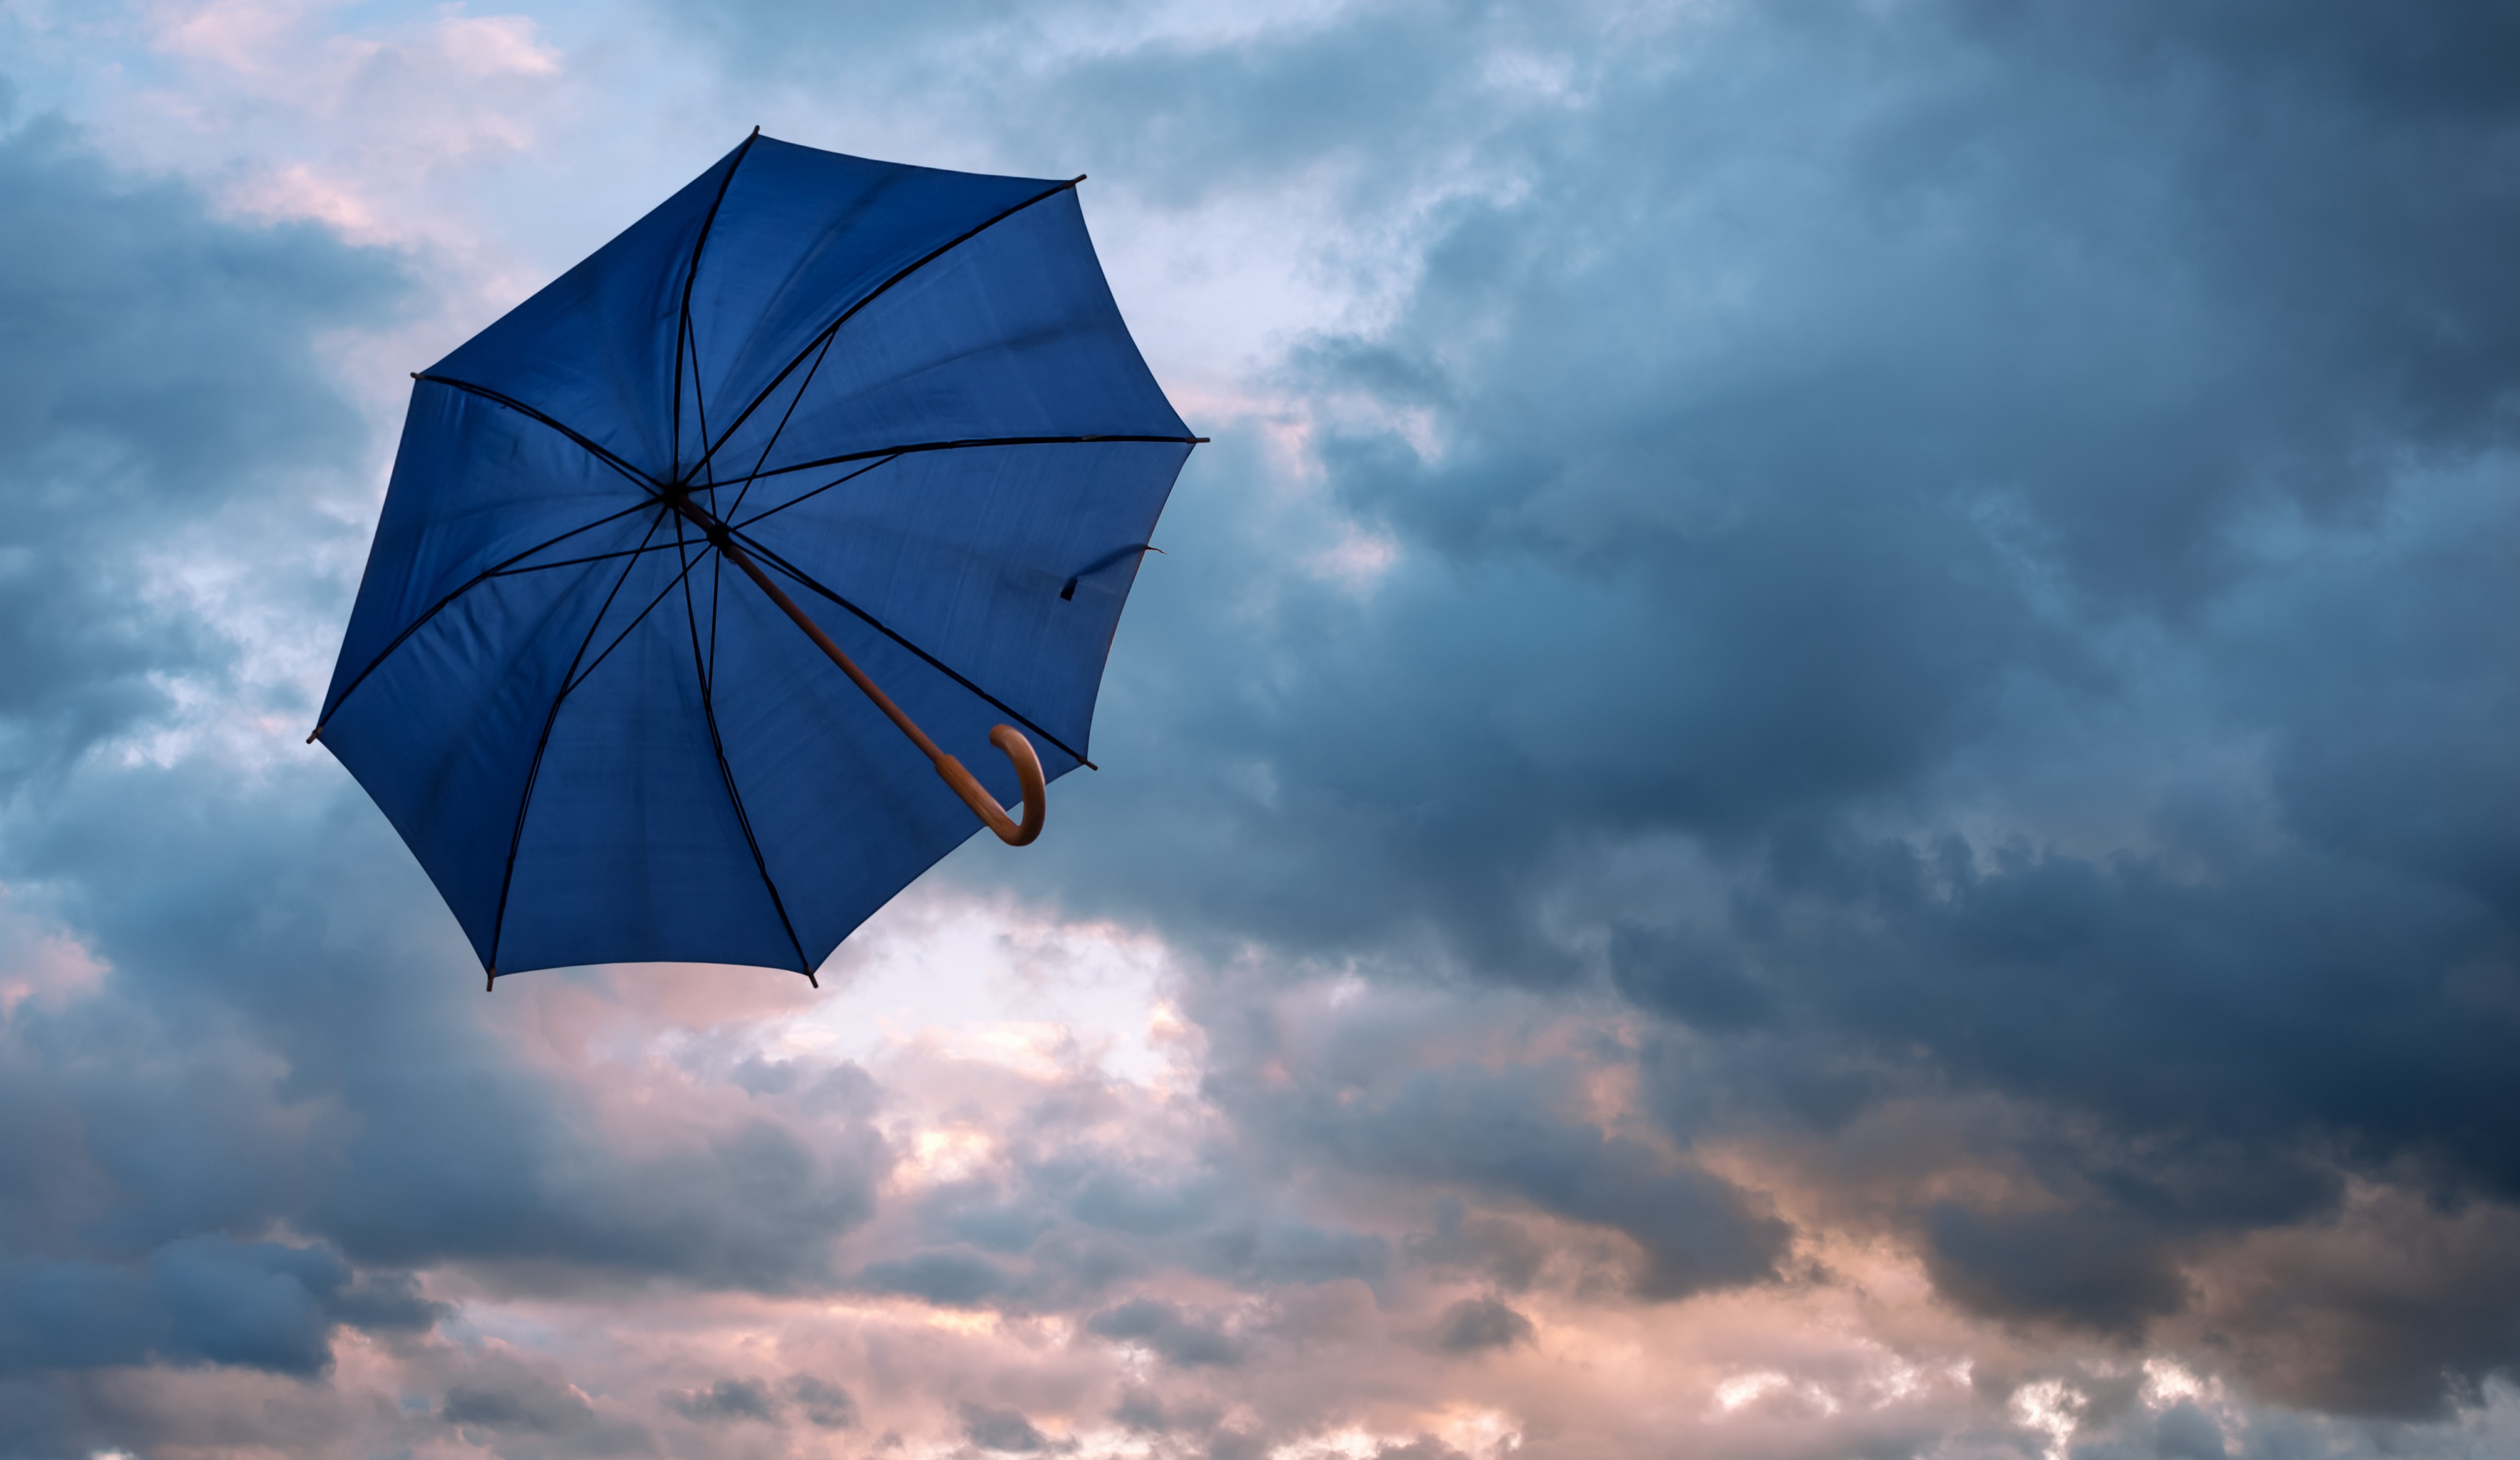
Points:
point(1822, 766)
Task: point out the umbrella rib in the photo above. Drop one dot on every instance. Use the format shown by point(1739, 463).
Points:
point(881, 627)
point(637, 477)
point(704, 668)
point(683, 329)
point(699, 408)
point(570, 562)
point(496, 570)
point(781, 429)
point(598, 663)
point(568, 682)
point(834, 328)
point(967, 443)
point(837, 481)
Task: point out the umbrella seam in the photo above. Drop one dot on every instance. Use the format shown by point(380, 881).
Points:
point(568, 684)
point(837, 481)
point(570, 562)
point(877, 624)
point(834, 328)
point(498, 570)
point(637, 477)
point(699, 408)
point(963, 444)
point(767, 447)
point(705, 671)
point(683, 328)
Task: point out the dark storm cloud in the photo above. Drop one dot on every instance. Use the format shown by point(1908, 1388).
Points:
point(1182, 1338)
point(517, 1407)
point(1474, 1325)
point(1837, 432)
point(314, 1068)
point(432, 1145)
point(155, 365)
point(727, 1399)
point(1509, 1135)
point(1944, 553)
point(1104, 1236)
point(1068, 1230)
point(1005, 1431)
point(1267, 1256)
point(198, 1300)
point(945, 1278)
point(281, 1039)
point(826, 1405)
point(2020, 493)
point(759, 1401)
point(1495, 1248)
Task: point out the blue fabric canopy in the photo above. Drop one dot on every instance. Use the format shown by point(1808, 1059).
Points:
point(908, 395)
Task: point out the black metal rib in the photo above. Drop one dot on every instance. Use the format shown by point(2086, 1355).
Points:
point(772, 512)
point(683, 328)
point(598, 662)
point(704, 668)
point(638, 477)
point(834, 328)
point(534, 772)
point(699, 408)
point(570, 562)
point(966, 444)
point(496, 570)
point(794, 401)
point(939, 665)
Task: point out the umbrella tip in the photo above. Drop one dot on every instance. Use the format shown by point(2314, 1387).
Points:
point(311, 734)
point(491, 985)
point(415, 375)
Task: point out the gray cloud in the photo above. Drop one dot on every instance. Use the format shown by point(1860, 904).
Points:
point(1005, 1431)
point(1963, 551)
point(2016, 491)
point(946, 1278)
point(1179, 1338)
point(158, 367)
point(442, 1148)
point(277, 1043)
point(826, 1405)
point(1949, 558)
point(530, 1410)
point(1474, 1325)
point(1510, 1135)
point(726, 1400)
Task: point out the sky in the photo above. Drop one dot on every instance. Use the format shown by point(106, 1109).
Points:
point(1820, 766)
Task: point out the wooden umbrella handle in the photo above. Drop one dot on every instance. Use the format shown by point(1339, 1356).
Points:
point(977, 796)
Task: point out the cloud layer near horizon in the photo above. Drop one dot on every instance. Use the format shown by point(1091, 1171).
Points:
point(1818, 769)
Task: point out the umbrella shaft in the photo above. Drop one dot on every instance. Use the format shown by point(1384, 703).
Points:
point(965, 784)
point(726, 544)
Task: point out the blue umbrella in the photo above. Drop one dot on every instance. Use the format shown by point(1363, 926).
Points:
point(582, 679)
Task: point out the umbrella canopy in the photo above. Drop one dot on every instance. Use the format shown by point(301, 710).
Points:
point(819, 452)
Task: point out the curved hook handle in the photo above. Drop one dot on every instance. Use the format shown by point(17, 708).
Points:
point(977, 796)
